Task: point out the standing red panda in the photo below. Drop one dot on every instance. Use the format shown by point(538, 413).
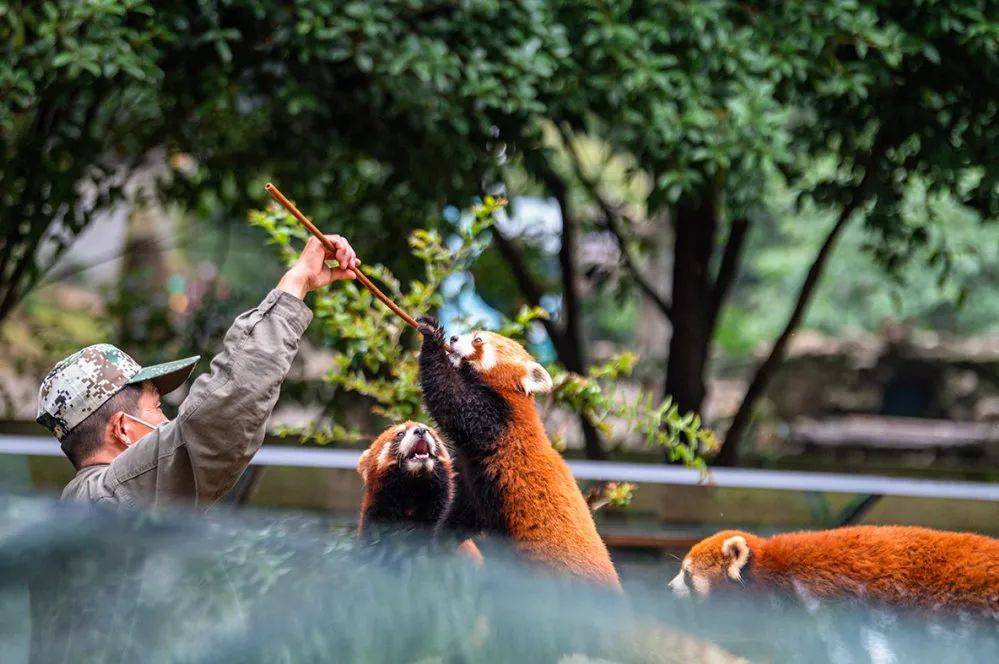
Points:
point(511, 482)
point(896, 565)
point(408, 479)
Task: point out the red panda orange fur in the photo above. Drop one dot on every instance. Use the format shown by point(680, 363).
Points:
point(469, 550)
point(895, 565)
point(543, 510)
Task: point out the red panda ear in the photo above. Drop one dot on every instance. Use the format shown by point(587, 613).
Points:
point(536, 379)
point(362, 464)
point(736, 550)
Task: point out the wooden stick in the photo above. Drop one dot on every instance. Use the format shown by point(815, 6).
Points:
point(288, 205)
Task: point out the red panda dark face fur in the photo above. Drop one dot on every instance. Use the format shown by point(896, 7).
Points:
point(901, 566)
point(407, 477)
point(511, 482)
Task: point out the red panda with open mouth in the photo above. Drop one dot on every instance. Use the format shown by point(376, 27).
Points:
point(902, 566)
point(480, 391)
point(408, 479)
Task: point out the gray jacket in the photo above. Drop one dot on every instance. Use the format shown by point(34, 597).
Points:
point(200, 454)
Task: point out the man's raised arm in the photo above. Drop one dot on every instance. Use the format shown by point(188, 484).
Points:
point(221, 424)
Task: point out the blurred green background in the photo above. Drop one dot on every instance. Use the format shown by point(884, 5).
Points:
point(786, 210)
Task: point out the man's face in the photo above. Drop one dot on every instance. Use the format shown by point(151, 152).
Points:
point(149, 411)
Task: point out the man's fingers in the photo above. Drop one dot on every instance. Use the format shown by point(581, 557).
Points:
point(345, 259)
point(311, 270)
point(312, 246)
point(342, 252)
point(338, 242)
point(325, 275)
point(339, 274)
point(346, 256)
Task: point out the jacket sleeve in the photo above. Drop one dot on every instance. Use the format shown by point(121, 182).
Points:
point(221, 424)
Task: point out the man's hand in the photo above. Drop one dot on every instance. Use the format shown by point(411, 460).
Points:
point(311, 271)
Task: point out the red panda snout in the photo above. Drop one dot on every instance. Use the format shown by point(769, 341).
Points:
point(408, 479)
point(419, 450)
point(412, 445)
point(471, 347)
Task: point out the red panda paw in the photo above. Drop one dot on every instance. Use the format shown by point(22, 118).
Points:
point(429, 327)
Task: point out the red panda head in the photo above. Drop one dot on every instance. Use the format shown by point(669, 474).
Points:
point(715, 564)
point(411, 447)
point(502, 362)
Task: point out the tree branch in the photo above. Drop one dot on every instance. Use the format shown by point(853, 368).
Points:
point(15, 284)
point(728, 268)
point(518, 266)
point(568, 347)
point(767, 369)
point(527, 286)
point(573, 353)
point(612, 219)
point(613, 225)
point(571, 326)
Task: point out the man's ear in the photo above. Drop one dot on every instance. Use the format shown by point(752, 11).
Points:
point(116, 430)
point(362, 464)
point(736, 550)
point(536, 379)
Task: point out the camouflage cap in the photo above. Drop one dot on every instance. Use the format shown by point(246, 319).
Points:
point(80, 384)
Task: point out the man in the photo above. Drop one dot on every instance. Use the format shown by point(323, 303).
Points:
point(105, 409)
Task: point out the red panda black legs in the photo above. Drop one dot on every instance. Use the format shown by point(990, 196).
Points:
point(471, 414)
point(473, 417)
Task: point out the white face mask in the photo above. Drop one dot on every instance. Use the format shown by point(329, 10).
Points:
point(143, 422)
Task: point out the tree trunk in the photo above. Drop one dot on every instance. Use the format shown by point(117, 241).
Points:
point(690, 343)
point(573, 342)
point(573, 356)
point(653, 328)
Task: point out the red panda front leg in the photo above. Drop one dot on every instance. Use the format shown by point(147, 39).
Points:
point(470, 413)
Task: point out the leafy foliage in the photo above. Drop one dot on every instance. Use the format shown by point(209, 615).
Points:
point(368, 339)
point(947, 285)
point(383, 113)
point(614, 494)
point(374, 110)
point(660, 424)
point(850, 105)
point(371, 360)
point(78, 86)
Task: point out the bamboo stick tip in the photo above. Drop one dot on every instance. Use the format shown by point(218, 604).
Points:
point(269, 187)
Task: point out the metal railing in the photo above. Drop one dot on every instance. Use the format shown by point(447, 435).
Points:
point(733, 478)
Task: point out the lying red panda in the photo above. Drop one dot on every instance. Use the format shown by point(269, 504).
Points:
point(408, 479)
point(895, 565)
point(511, 482)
